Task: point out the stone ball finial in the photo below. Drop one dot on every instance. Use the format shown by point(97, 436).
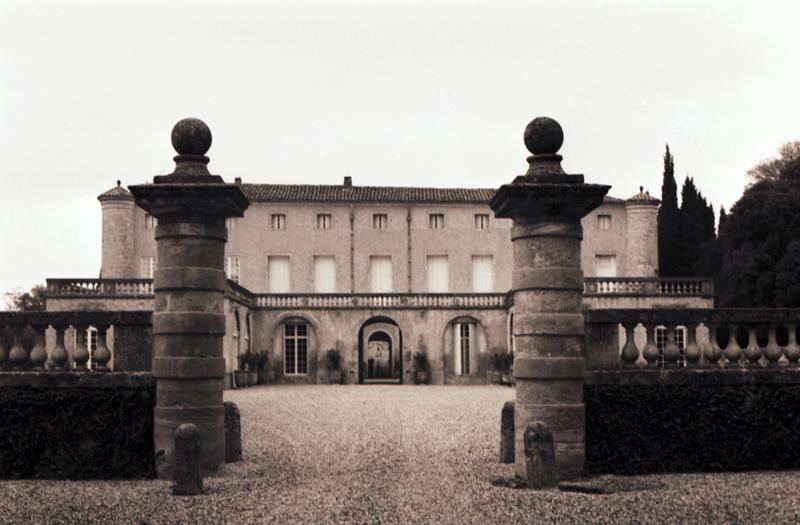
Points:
point(191, 136)
point(543, 136)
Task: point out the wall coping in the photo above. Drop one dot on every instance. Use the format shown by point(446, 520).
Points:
point(693, 376)
point(72, 379)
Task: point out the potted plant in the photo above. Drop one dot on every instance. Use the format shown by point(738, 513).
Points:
point(241, 375)
point(507, 368)
point(333, 363)
point(422, 368)
point(263, 367)
point(495, 372)
point(252, 367)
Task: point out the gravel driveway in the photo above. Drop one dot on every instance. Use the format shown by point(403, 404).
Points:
point(392, 454)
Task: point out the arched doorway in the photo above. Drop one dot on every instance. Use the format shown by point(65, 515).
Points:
point(380, 350)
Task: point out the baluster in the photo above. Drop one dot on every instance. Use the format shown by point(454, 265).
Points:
point(711, 351)
point(792, 350)
point(81, 354)
point(59, 355)
point(692, 352)
point(733, 353)
point(671, 351)
point(630, 352)
point(102, 355)
point(18, 356)
point(39, 352)
point(650, 350)
point(773, 352)
point(753, 352)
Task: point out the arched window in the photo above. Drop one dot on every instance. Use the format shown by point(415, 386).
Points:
point(464, 344)
point(295, 347)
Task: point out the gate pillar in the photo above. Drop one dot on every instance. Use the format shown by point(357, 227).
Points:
point(547, 205)
point(191, 206)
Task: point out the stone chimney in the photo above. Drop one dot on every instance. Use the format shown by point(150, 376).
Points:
point(348, 182)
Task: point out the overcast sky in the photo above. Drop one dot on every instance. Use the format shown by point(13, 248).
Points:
point(427, 93)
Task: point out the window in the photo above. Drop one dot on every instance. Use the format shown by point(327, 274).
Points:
point(661, 342)
point(295, 348)
point(464, 341)
point(604, 222)
point(278, 274)
point(438, 274)
point(482, 274)
point(323, 221)
point(232, 268)
point(380, 221)
point(150, 222)
point(436, 221)
point(230, 223)
point(148, 266)
point(380, 273)
point(324, 274)
point(278, 221)
point(605, 265)
point(481, 221)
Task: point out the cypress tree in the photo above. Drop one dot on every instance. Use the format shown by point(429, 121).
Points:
point(669, 221)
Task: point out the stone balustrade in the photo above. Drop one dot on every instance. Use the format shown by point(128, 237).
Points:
point(692, 338)
point(376, 301)
point(601, 286)
point(99, 287)
point(40, 341)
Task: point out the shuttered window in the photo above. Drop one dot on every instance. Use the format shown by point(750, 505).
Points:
point(482, 274)
point(232, 268)
point(438, 274)
point(278, 274)
point(148, 266)
point(324, 274)
point(605, 265)
point(380, 273)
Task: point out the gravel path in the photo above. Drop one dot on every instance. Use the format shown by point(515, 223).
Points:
point(392, 454)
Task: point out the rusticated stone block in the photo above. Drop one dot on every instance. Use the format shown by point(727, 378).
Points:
point(540, 457)
point(507, 433)
point(186, 466)
point(233, 433)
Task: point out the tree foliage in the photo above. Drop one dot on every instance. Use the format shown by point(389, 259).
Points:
point(31, 301)
point(669, 221)
point(760, 238)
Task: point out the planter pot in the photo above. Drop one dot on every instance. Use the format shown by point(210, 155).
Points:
point(494, 377)
point(253, 378)
point(423, 378)
point(241, 378)
point(262, 377)
point(335, 377)
point(507, 379)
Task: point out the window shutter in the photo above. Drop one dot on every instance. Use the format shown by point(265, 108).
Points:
point(279, 273)
point(324, 274)
point(438, 274)
point(472, 349)
point(482, 274)
point(380, 272)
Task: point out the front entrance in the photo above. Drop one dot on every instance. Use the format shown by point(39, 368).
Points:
point(380, 351)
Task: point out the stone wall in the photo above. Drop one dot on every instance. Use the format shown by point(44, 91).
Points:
point(68, 425)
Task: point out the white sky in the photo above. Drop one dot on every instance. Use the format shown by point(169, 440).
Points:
point(410, 93)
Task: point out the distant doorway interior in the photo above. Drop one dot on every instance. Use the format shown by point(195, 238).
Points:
point(380, 351)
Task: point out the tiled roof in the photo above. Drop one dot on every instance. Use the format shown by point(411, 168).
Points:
point(644, 197)
point(340, 193)
point(115, 193)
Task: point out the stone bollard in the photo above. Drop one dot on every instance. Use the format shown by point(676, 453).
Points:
point(540, 458)
point(189, 285)
point(546, 205)
point(507, 433)
point(186, 466)
point(233, 433)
